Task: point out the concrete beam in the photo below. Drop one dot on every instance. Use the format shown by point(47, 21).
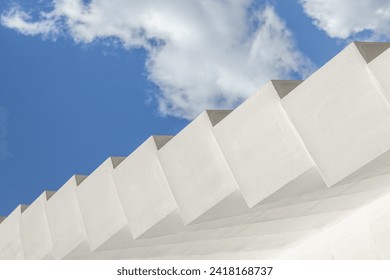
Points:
point(65, 222)
point(341, 115)
point(35, 232)
point(200, 179)
point(263, 149)
point(144, 192)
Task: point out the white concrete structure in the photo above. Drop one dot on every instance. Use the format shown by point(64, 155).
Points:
point(301, 170)
point(341, 114)
point(200, 179)
point(35, 232)
point(259, 133)
point(66, 225)
point(104, 219)
point(144, 192)
point(10, 237)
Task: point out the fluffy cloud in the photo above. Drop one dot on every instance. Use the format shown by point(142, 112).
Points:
point(4, 151)
point(348, 18)
point(201, 54)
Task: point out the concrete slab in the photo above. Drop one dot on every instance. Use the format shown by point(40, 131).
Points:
point(341, 115)
point(263, 149)
point(283, 236)
point(204, 248)
point(103, 216)
point(378, 215)
point(314, 247)
point(11, 247)
point(351, 239)
point(301, 219)
point(310, 213)
point(301, 237)
point(200, 179)
point(35, 232)
point(146, 197)
point(65, 221)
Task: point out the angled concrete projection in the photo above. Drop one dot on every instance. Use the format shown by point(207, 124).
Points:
point(379, 67)
point(35, 232)
point(200, 179)
point(342, 115)
point(144, 192)
point(11, 247)
point(103, 216)
point(65, 222)
point(263, 149)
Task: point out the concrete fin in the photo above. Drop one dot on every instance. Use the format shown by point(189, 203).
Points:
point(161, 140)
point(284, 87)
point(79, 179)
point(216, 116)
point(370, 50)
point(116, 161)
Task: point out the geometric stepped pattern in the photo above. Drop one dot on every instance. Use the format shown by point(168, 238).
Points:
point(300, 170)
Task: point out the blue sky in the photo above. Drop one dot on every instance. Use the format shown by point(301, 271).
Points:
point(84, 80)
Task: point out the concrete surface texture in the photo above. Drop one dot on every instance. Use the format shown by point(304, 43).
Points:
point(300, 170)
point(200, 179)
point(66, 225)
point(144, 192)
point(259, 134)
point(11, 241)
point(35, 232)
point(341, 114)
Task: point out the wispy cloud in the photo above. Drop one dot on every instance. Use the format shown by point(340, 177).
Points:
point(201, 54)
point(4, 150)
point(364, 19)
point(18, 19)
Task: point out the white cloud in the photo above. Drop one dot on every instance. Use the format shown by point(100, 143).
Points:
point(347, 18)
point(4, 151)
point(17, 19)
point(201, 53)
